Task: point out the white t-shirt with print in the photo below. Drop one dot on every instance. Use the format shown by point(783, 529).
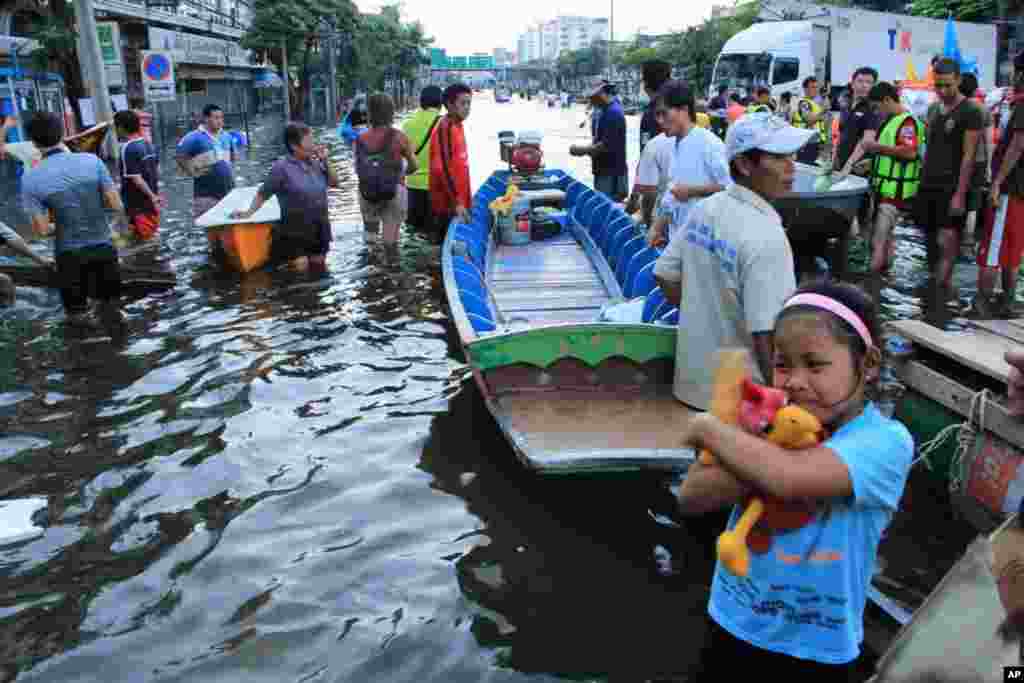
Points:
point(734, 263)
point(697, 159)
point(655, 167)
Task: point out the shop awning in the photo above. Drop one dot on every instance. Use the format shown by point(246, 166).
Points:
point(265, 78)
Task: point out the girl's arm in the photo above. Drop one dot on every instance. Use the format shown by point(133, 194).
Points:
point(814, 473)
point(412, 164)
point(707, 488)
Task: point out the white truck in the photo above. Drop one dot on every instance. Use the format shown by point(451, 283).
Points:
point(831, 43)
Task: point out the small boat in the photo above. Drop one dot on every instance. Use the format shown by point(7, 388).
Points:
point(241, 244)
point(88, 140)
point(954, 405)
point(958, 628)
point(573, 394)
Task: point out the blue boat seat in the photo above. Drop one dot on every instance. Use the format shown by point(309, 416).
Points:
point(602, 214)
point(594, 203)
point(573, 192)
point(641, 260)
point(653, 305)
point(618, 242)
point(481, 325)
point(670, 318)
point(474, 303)
point(630, 249)
point(644, 281)
point(614, 228)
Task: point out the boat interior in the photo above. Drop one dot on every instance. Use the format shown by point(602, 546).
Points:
point(598, 258)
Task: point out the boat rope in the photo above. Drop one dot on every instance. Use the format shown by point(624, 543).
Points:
point(965, 434)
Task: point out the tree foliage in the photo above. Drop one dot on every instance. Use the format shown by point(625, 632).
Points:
point(371, 49)
point(964, 10)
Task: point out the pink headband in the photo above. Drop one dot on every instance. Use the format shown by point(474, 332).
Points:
point(832, 306)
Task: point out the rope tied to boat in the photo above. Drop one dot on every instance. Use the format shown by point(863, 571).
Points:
point(966, 434)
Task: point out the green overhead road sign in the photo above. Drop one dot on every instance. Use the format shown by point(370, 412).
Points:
point(441, 61)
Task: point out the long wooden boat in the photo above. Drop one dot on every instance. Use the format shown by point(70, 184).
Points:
point(573, 394)
point(242, 244)
point(954, 405)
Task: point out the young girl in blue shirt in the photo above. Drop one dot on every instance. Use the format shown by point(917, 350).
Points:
point(799, 612)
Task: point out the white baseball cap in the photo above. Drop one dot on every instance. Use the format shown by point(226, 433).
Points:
point(767, 132)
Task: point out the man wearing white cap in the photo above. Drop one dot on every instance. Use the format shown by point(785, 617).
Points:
point(729, 267)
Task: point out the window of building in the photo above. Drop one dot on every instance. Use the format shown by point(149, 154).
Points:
point(195, 86)
point(785, 70)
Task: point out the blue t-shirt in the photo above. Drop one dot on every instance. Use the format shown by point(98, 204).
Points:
point(72, 185)
point(210, 157)
point(610, 128)
point(805, 597)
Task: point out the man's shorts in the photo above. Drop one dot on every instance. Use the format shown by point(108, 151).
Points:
point(145, 224)
point(88, 273)
point(615, 186)
point(418, 213)
point(390, 212)
point(1002, 238)
point(931, 212)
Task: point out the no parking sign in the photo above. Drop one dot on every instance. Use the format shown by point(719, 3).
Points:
point(158, 76)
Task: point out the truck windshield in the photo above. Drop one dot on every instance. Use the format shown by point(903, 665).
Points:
point(742, 72)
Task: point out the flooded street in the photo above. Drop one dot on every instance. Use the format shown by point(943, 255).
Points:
point(292, 478)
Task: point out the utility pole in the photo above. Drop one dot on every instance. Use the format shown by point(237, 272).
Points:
point(611, 36)
point(287, 81)
point(94, 73)
point(332, 74)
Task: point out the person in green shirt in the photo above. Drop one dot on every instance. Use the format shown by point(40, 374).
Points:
point(418, 129)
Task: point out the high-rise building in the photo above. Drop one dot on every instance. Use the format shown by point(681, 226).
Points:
point(549, 39)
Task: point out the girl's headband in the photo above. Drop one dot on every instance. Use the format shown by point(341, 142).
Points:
point(835, 307)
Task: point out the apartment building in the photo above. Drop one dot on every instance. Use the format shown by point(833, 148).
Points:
point(547, 40)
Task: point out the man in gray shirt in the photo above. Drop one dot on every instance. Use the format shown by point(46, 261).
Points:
point(14, 242)
point(77, 189)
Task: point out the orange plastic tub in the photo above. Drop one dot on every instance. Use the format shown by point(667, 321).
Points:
point(243, 246)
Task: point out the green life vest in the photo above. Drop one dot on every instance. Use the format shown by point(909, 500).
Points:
point(754, 108)
point(816, 109)
point(894, 178)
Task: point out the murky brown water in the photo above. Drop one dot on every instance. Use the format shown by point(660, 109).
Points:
point(286, 478)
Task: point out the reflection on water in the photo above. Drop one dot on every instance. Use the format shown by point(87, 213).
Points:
point(292, 477)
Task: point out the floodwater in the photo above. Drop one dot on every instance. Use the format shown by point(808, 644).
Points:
point(287, 477)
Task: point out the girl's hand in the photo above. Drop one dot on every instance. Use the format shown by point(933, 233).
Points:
point(242, 213)
point(695, 429)
point(1015, 382)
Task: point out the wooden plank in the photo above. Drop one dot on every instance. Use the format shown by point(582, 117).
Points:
point(555, 317)
point(581, 432)
point(957, 398)
point(1002, 328)
point(977, 350)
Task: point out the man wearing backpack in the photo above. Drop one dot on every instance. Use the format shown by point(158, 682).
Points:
point(419, 128)
point(384, 155)
point(450, 194)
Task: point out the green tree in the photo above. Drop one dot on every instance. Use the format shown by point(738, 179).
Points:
point(52, 23)
point(966, 10)
point(387, 50)
point(300, 26)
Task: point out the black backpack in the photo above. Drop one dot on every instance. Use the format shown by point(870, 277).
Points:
point(379, 172)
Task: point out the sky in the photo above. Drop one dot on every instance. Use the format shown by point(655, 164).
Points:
point(467, 26)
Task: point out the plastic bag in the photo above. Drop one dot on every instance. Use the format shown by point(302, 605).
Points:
point(631, 311)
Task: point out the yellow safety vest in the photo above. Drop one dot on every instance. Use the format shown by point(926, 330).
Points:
point(894, 178)
point(816, 109)
point(754, 108)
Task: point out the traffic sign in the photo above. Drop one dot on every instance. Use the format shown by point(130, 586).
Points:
point(158, 76)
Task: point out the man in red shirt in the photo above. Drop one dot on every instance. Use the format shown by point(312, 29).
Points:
point(450, 195)
point(896, 169)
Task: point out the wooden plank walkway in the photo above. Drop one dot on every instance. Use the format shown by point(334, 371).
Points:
point(977, 349)
point(546, 283)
